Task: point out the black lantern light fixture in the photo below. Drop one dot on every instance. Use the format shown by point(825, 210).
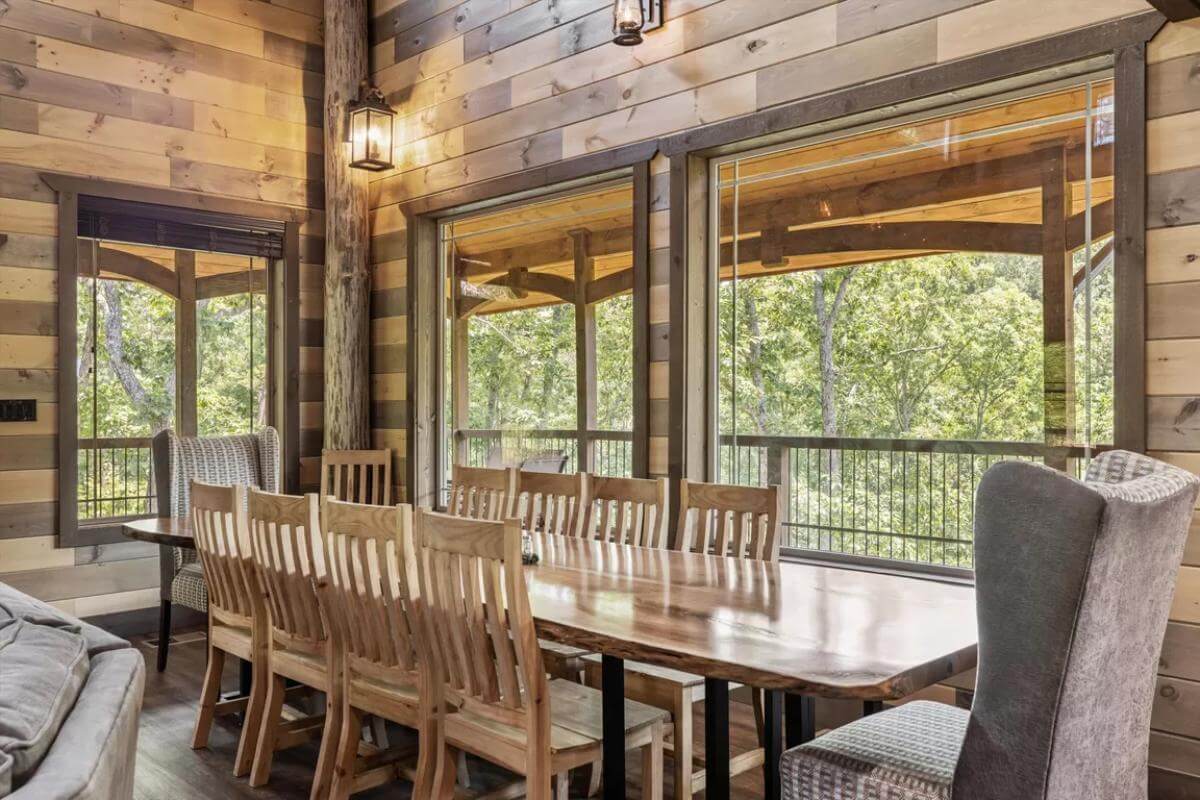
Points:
point(371, 130)
point(632, 18)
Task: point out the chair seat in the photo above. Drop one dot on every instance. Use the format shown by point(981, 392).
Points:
point(576, 719)
point(906, 753)
point(188, 589)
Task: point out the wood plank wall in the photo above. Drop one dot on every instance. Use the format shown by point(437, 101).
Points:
point(489, 87)
point(1173, 370)
point(217, 96)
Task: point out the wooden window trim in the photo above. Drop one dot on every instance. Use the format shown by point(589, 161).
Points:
point(285, 403)
point(1119, 44)
point(422, 383)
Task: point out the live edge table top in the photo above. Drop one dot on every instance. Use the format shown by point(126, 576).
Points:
point(811, 629)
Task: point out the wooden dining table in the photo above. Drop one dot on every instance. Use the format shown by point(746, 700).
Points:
point(795, 630)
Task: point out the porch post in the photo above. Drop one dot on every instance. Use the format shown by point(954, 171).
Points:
point(585, 349)
point(185, 343)
point(460, 366)
point(347, 277)
point(1057, 306)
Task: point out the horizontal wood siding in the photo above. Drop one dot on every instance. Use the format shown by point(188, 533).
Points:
point(216, 96)
point(1173, 375)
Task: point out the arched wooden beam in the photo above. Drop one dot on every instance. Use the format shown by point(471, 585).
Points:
point(228, 283)
point(974, 237)
point(134, 267)
point(611, 284)
point(522, 280)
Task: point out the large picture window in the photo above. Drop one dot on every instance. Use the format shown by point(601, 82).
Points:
point(898, 308)
point(538, 333)
point(179, 320)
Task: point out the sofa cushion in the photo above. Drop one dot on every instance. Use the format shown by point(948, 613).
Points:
point(18, 605)
point(42, 671)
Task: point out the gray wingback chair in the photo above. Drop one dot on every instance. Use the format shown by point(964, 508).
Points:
point(249, 459)
point(1074, 582)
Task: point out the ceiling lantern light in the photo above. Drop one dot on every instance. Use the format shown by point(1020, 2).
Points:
point(371, 130)
point(632, 18)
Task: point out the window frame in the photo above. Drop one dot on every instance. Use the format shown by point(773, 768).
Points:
point(1118, 46)
point(284, 300)
point(426, 334)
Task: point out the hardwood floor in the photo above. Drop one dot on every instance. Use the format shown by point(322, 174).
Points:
point(168, 769)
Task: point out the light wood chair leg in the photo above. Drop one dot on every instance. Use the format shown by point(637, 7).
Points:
point(595, 772)
point(260, 772)
point(652, 765)
point(252, 724)
point(464, 773)
point(562, 786)
point(210, 693)
point(331, 734)
point(347, 753)
point(682, 762)
point(758, 716)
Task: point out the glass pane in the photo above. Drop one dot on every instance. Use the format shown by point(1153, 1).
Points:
point(126, 377)
point(511, 378)
point(231, 344)
point(901, 307)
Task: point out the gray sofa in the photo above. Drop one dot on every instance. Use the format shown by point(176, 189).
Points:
point(91, 754)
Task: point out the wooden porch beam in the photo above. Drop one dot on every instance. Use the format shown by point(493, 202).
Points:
point(978, 179)
point(129, 265)
point(228, 283)
point(557, 251)
point(1178, 10)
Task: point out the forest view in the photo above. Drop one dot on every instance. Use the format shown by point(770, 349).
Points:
point(127, 380)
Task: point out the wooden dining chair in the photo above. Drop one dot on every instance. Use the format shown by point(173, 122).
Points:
point(357, 476)
point(725, 520)
point(549, 502)
point(237, 615)
point(737, 521)
point(289, 554)
point(499, 704)
point(369, 595)
point(627, 511)
point(482, 492)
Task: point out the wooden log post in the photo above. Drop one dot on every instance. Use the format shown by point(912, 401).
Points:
point(585, 348)
point(1058, 303)
point(347, 276)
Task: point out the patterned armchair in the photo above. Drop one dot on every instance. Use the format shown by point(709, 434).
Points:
point(249, 459)
point(1074, 583)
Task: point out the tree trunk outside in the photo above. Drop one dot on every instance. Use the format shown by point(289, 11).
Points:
point(347, 277)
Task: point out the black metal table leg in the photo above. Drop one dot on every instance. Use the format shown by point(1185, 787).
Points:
point(872, 707)
point(716, 739)
point(800, 713)
point(612, 684)
point(772, 742)
point(245, 677)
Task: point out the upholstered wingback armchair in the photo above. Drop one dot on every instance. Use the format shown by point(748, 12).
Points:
point(248, 459)
point(1074, 582)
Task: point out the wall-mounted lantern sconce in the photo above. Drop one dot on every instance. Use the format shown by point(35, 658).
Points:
point(632, 18)
point(371, 130)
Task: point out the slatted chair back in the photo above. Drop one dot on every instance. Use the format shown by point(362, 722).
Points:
point(550, 502)
point(738, 521)
point(371, 588)
point(223, 547)
point(289, 553)
point(357, 476)
point(627, 511)
point(482, 493)
point(486, 648)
